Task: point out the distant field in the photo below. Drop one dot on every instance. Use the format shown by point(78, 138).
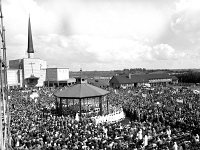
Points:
point(92, 74)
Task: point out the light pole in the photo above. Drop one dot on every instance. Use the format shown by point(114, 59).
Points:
point(4, 102)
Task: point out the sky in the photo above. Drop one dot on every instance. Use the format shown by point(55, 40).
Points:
point(106, 34)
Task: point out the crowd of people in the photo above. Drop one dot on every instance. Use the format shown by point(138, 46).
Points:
point(160, 118)
point(162, 110)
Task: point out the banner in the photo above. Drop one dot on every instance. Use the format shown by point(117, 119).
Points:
point(110, 118)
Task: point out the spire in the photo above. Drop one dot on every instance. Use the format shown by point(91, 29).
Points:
point(30, 40)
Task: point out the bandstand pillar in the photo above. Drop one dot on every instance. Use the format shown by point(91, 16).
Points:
point(57, 104)
point(87, 105)
point(106, 99)
point(80, 108)
point(60, 113)
point(100, 105)
point(67, 103)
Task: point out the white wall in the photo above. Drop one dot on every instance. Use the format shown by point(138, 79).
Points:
point(57, 74)
point(38, 67)
point(43, 64)
point(14, 77)
point(62, 74)
point(42, 77)
point(28, 68)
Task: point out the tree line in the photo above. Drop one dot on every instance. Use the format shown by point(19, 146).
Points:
point(189, 77)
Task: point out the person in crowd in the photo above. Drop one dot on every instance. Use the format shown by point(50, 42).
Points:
point(162, 118)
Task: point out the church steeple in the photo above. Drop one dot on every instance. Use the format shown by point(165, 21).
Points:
point(30, 49)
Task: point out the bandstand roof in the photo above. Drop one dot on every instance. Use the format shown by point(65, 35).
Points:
point(79, 91)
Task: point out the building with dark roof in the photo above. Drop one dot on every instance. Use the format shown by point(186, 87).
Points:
point(120, 81)
point(101, 83)
point(136, 80)
point(174, 79)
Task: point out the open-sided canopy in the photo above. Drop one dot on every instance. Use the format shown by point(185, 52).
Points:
point(79, 91)
point(32, 77)
point(32, 81)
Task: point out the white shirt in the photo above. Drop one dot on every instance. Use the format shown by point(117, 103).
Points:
point(140, 134)
point(145, 140)
point(169, 132)
point(175, 147)
point(197, 138)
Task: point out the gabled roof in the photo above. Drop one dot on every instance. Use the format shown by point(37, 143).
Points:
point(174, 78)
point(98, 82)
point(159, 76)
point(146, 77)
point(139, 78)
point(79, 91)
point(158, 72)
point(120, 79)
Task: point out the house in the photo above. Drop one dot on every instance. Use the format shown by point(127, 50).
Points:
point(120, 82)
point(137, 80)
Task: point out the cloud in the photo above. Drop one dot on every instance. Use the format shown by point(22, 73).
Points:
point(80, 51)
point(165, 52)
point(110, 18)
point(183, 32)
point(103, 34)
point(63, 50)
point(185, 20)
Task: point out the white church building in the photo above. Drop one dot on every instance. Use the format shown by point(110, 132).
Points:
point(28, 72)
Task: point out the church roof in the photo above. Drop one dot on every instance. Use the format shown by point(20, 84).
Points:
point(30, 40)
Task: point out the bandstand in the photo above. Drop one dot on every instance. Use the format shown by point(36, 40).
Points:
point(82, 95)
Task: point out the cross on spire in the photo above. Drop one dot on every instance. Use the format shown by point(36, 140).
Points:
point(32, 67)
